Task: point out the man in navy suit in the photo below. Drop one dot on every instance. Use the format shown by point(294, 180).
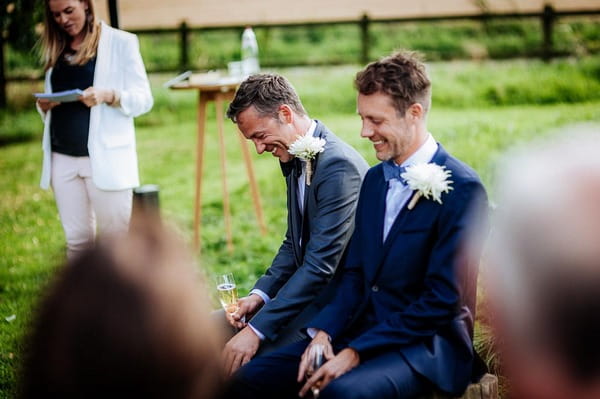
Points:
point(321, 207)
point(401, 322)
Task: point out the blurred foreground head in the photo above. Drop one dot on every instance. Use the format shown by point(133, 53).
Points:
point(128, 318)
point(543, 267)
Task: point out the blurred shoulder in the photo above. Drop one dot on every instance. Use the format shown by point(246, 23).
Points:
point(117, 34)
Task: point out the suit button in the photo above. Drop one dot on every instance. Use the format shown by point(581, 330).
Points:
point(374, 288)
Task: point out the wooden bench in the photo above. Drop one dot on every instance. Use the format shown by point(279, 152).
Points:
point(486, 388)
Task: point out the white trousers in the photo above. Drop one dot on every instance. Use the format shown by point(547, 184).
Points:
point(82, 206)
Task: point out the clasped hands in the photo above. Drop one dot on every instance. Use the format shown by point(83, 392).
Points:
point(240, 349)
point(90, 97)
point(334, 366)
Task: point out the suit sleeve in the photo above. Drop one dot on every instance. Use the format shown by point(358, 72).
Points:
point(331, 224)
point(136, 96)
point(335, 317)
point(440, 300)
point(349, 293)
point(282, 267)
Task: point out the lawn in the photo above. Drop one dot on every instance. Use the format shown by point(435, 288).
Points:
point(479, 110)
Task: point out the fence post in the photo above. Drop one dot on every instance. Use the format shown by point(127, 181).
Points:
point(184, 34)
point(3, 101)
point(113, 10)
point(364, 37)
point(548, 18)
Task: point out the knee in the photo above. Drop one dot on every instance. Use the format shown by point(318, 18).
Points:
point(79, 235)
point(247, 383)
point(342, 388)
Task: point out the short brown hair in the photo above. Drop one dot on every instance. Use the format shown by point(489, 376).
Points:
point(402, 76)
point(266, 92)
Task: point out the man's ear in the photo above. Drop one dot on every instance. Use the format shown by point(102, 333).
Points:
point(285, 113)
point(415, 111)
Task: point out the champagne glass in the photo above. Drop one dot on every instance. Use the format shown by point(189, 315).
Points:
point(227, 292)
point(316, 360)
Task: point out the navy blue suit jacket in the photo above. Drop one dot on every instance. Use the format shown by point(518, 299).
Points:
point(410, 294)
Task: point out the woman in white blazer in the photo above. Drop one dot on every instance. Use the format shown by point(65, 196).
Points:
point(90, 157)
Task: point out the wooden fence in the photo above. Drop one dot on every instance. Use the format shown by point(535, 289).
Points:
point(547, 17)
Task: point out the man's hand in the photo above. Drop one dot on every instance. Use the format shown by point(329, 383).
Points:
point(340, 364)
point(321, 338)
point(240, 349)
point(247, 307)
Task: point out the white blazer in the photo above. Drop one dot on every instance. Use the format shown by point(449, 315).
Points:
point(111, 140)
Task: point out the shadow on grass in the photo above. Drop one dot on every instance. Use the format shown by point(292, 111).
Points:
point(7, 140)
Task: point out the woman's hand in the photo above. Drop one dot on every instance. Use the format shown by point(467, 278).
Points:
point(46, 105)
point(93, 96)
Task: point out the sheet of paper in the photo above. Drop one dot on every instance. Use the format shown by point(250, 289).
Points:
point(61, 96)
point(177, 79)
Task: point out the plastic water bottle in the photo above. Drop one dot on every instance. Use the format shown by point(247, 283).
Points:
point(249, 52)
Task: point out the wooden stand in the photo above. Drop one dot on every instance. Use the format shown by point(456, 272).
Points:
point(219, 92)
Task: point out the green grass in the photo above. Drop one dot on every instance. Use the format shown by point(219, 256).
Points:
point(470, 123)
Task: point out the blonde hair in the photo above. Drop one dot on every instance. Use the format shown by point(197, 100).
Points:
point(54, 40)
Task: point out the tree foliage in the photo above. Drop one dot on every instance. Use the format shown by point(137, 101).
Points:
point(18, 21)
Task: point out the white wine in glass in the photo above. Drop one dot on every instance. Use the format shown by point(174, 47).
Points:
point(227, 292)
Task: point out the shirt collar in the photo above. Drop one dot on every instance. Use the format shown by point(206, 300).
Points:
point(312, 128)
point(424, 154)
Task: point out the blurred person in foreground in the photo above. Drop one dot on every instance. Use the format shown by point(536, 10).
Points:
point(321, 199)
point(89, 147)
point(128, 318)
point(542, 269)
point(401, 322)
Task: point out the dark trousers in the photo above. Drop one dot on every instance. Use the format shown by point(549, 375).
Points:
point(273, 376)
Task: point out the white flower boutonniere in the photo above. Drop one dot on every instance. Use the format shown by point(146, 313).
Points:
point(307, 148)
point(429, 179)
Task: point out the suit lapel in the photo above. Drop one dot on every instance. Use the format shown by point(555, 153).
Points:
point(294, 215)
point(375, 228)
point(321, 132)
point(439, 158)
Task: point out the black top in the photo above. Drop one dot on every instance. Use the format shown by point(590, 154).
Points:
point(70, 122)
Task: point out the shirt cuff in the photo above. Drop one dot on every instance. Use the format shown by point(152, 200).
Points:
point(260, 335)
point(261, 294)
point(311, 331)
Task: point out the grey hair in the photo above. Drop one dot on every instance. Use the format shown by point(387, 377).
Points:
point(266, 92)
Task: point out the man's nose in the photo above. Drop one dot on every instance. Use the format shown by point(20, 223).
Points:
point(260, 147)
point(366, 130)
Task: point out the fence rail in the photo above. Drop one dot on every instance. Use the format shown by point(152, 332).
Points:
point(547, 17)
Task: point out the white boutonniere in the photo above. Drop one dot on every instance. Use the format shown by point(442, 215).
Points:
point(429, 179)
point(307, 148)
